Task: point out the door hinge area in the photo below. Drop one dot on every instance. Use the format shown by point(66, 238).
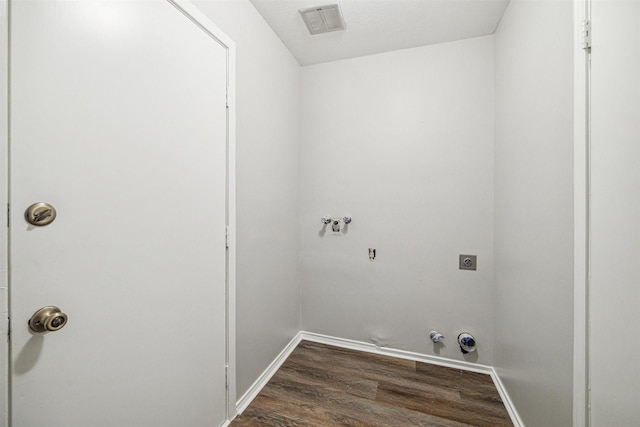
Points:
point(226, 237)
point(226, 377)
point(585, 33)
point(8, 214)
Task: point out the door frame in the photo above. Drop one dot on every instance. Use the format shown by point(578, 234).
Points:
point(205, 24)
point(581, 191)
point(4, 214)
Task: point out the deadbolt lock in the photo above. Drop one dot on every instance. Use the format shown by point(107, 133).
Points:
point(40, 214)
point(48, 319)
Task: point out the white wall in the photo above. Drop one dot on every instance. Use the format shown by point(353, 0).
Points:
point(615, 214)
point(534, 209)
point(402, 142)
point(267, 102)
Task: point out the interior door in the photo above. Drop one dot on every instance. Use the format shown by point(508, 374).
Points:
point(118, 121)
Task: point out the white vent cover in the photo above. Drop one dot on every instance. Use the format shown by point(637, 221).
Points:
point(323, 19)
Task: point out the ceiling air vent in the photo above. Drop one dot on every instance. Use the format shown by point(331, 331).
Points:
point(323, 19)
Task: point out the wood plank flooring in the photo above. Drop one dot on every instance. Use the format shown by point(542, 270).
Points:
point(321, 385)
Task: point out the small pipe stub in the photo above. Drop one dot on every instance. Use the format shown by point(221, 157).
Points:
point(467, 342)
point(436, 336)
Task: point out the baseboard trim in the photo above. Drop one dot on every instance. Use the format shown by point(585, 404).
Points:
point(511, 409)
point(257, 386)
point(400, 354)
point(264, 378)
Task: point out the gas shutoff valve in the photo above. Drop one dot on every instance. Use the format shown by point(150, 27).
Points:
point(436, 337)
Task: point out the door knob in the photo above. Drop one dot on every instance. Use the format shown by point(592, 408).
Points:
point(47, 319)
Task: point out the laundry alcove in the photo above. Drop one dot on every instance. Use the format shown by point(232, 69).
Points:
point(474, 143)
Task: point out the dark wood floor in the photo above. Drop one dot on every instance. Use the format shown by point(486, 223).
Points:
point(321, 385)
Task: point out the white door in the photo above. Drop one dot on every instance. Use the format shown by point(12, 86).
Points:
point(118, 119)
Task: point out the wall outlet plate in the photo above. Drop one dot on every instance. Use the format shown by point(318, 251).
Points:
point(468, 262)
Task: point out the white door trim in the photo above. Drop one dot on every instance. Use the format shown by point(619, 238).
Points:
point(4, 201)
point(198, 18)
point(581, 221)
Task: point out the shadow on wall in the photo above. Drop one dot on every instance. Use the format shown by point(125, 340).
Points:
point(29, 355)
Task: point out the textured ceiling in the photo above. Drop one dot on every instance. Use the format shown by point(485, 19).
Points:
point(375, 26)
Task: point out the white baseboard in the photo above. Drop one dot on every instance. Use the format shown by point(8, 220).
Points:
point(511, 409)
point(263, 379)
point(257, 386)
point(400, 354)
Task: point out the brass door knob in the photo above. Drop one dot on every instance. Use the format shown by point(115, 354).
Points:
point(48, 319)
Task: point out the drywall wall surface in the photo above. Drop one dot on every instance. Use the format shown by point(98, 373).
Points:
point(615, 213)
point(402, 142)
point(534, 209)
point(267, 106)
